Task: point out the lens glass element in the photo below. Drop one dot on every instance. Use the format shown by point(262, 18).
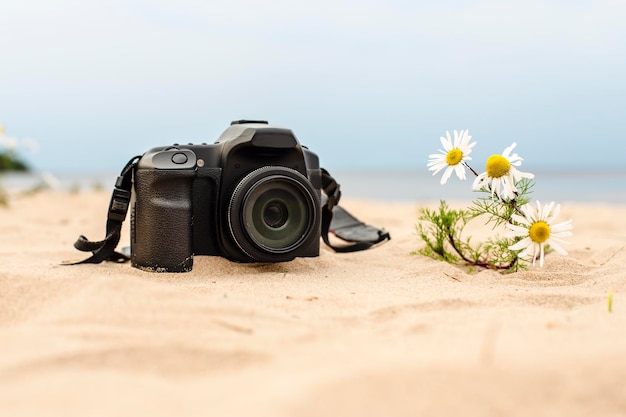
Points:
point(277, 213)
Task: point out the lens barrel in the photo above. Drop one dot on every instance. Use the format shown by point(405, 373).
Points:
point(273, 212)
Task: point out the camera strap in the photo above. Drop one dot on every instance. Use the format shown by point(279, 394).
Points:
point(104, 250)
point(335, 220)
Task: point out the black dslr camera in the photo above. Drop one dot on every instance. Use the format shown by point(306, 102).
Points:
point(253, 196)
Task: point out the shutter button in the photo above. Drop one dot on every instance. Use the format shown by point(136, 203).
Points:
point(179, 158)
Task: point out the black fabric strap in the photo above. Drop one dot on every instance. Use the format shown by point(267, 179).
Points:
point(339, 222)
point(104, 250)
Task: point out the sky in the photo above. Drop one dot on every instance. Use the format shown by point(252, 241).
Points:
point(368, 84)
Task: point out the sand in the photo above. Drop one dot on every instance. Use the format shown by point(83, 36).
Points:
point(374, 333)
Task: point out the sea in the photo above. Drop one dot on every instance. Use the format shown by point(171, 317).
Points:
point(564, 185)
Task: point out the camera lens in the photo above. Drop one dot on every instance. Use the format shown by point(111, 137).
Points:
point(273, 211)
point(276, 213)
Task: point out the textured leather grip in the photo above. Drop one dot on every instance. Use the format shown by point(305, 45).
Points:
point(161, 236)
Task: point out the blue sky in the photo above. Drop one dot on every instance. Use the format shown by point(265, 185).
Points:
point(362, 83)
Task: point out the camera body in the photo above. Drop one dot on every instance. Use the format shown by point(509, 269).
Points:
point(252, 196)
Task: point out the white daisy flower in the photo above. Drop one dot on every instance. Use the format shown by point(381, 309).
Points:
point(453, 156)
point(537, 229)
point(501, 175)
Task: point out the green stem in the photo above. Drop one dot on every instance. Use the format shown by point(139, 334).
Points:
point(481, 263)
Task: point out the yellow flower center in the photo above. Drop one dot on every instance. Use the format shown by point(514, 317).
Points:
point(454, 156)
point(539, 232)
point(497, 166)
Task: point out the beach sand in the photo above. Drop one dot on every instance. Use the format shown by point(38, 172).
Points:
point(374, 333)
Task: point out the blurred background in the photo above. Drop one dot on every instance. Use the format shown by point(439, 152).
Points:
point(369, 85)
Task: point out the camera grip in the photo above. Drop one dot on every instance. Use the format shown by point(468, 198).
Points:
point(161, 235)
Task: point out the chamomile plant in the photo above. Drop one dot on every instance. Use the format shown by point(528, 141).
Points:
point(503, 202)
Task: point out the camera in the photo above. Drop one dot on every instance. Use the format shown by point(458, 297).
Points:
point(255, 195)
point(252, 196)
